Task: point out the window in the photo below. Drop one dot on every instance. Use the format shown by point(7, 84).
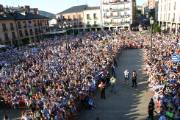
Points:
point(26, 32)
point(34, 23)
point(13, 35)
point(11, 26)
point(20, 33)
point(36, 31)
point(79, 16)
point(88, 23)
point(4, 27)
point(29, 23)
point(74, 17)
point(88, 16)
point(95, 23)
point(19, 25)
point(95, 16)
point(6, 36)
point(173, 17)
point(175, 6)
point(31, 32)
point(68, 17)
point(25, 25)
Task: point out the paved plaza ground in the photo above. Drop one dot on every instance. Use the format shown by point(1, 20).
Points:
point(128, 103)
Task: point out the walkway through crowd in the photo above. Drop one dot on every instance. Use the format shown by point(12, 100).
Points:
point(128, 103)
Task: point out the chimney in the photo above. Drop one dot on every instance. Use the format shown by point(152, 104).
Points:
point(27, 9)
point(1, 9)
point(36, 11)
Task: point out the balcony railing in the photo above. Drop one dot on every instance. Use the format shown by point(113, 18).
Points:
point(89, 18)
point(88, 25)
point(116, 2)
point(106, 10)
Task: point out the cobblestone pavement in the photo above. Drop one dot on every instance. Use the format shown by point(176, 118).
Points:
point(128, 103)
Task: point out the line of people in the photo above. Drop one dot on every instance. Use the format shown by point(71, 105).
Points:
point(163, 69)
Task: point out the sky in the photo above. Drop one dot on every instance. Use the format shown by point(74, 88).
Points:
point(54, 6)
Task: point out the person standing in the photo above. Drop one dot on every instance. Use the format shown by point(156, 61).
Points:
point(151, 109)
point(134, 79)
point(126, 76)
point(102, 89)
point(113, 82)
point(6, 117)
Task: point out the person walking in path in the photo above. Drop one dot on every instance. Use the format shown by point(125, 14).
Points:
point(126, 76)
point(113, 82)
point(102, 89)
point(134, 79)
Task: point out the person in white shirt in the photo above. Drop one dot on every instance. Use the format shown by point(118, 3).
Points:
point(126, 76)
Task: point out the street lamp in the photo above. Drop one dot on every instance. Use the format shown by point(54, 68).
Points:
point(151, 22)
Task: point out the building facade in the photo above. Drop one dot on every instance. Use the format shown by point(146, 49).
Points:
point(18, 27)
point(151, 4)
point(156, 10)
point(145, 9)
point(169, 15)
point(79, 17)
point(92, 17)
point(71, 18)
point(8, 31)
point(118, 13)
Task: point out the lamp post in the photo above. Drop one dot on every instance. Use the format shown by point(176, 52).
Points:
point(151, 22)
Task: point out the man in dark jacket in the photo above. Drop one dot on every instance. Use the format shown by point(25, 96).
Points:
point(134, 79)
point(151, 109)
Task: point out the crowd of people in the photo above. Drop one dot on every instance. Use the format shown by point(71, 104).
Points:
point(57, 76)
point(163, 68)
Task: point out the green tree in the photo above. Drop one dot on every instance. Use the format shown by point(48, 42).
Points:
point(156, 27)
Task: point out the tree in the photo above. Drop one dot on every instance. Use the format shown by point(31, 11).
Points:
point(156, 27)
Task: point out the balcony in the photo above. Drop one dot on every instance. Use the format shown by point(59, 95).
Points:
point(106, 17)
point(88, 18)
point(117, 9)
point(106, 10)
point(88, 25)
point(126, 8)
point(116, 2)
point(115, 16)
point(95, 25)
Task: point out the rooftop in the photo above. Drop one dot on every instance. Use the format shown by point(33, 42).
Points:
point(73, 9)
point(93, 8)
point(19, 16)
point(6, 16)
point(79, 8)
